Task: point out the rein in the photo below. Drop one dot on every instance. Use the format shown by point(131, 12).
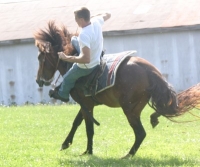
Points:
point(84, 108)
point(55, 72)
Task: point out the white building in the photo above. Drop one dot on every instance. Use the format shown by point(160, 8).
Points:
point(166, 33)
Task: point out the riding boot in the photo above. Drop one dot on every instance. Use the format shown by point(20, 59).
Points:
point(55, 95)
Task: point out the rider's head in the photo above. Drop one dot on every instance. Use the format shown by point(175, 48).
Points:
point(82, 16)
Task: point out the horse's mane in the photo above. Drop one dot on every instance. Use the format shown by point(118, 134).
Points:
point(58, 36)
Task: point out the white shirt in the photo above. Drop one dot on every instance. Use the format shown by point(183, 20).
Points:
point(91, 36)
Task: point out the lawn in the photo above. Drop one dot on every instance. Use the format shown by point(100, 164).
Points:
point(31, 136)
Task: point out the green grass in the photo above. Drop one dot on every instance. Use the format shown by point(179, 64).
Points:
point(31, 136)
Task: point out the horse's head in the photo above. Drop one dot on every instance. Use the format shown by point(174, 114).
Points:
point(49, 42)
point(48, 63)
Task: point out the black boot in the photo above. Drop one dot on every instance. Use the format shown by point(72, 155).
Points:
point(57, 87)
point(55, 95)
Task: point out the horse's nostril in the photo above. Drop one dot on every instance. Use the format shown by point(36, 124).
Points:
point(40, 83)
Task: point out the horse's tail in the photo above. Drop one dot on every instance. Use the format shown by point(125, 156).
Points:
point(189, 99)
point(166, 102)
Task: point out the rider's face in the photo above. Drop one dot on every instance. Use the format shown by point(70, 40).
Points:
point(79, 21)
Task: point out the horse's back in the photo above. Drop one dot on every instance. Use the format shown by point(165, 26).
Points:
point(131, 82)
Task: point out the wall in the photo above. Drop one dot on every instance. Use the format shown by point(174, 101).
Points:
point(18, 64)
point(175, 54)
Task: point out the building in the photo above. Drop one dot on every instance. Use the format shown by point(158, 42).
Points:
point(166, 33)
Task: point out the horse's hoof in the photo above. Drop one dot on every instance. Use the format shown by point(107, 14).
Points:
point(64, 146)
point(86, 153)
point(128, 156)
point(154, 123)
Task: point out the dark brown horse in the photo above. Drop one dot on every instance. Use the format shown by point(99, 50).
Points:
point(137, 82)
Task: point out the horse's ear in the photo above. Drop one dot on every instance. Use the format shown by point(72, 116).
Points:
point(43, 46)
point(36, 43)
point(47, 47)
point(40, 45)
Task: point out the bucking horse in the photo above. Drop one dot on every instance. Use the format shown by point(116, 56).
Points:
point(130, 82)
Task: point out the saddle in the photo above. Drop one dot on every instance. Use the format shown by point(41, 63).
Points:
point(89, 83)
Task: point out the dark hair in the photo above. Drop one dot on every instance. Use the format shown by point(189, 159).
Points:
point(82, 13)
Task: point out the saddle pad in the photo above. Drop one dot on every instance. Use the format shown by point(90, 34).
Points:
point(107, 79)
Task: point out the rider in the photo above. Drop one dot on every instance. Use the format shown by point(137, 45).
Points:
point(90, 45)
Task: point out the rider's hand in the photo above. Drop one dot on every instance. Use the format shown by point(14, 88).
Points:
point(61, 55)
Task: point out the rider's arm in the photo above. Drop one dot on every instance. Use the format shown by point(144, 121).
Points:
point(83, 58)
point(105, 16)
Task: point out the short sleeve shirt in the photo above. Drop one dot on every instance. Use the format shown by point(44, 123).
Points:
point(91, 36)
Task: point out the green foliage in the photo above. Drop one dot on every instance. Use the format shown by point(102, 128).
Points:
point(32, 136)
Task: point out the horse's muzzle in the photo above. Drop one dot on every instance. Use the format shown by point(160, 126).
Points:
point(40, 82)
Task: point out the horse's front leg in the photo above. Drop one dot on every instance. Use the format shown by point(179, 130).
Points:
point(68, 141)
point(90, 133)
point(154, 119)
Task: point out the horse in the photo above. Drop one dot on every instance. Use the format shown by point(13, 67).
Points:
point(137, 83)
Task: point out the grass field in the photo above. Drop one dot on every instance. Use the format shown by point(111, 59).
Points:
point(31, 136)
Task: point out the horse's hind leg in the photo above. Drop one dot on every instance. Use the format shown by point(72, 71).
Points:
point(154, 119)
point(76, 123)
point(132, 112)
point(140, 134)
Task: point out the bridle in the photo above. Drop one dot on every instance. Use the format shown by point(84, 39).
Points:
point(51, 63)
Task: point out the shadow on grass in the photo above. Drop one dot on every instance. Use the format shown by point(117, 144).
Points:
point(94, 161)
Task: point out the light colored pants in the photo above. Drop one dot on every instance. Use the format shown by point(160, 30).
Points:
point(71, 77)
point(75, 43)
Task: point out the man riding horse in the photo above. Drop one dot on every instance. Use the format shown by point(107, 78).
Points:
point(89, 46)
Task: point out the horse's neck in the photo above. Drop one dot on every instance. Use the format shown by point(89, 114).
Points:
point(64, 67)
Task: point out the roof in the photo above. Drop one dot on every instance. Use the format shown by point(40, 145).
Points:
point(19, 20)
